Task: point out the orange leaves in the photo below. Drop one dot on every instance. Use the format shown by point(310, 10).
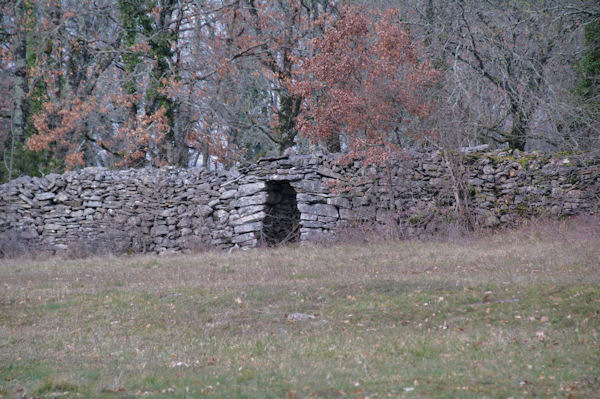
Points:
point(156, 12)
point(393, 43)
point(65, 128)
point(364, 82)
point(140, 47)
point(74, 159)
point(62, 125)
point(142, 134)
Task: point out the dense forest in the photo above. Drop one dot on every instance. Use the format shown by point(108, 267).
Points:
point(215, 83)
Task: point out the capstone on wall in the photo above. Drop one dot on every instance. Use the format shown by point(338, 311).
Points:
point(287, 199)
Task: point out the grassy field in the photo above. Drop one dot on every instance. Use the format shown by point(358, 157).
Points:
point(515, 314)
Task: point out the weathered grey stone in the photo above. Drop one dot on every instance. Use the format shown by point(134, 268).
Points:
point(323, 171)
point(248, 210)
point(29, 234)
point(347, 214)
point(488, 170)
point(221, 215)
point(319, 209)
point(258, 199)
point(112, 205)
point(437, 182)
point(92, 197)
point(160, 230)
point(288, 177)
point(247, 219)
point(54, 226)
point(61, 197)
point(248, 227)
point(340, 202)
point(311, 198)
point(327, 219)
point(300, 317)
point(246, 190)
point(204, 210)
point(312, 186)
point(312, 224)
point(184, 222)
point(44, 196)
point(26, 199)
point(228, 194)
point(308, 216)
point(243, 237)
point(167, 212)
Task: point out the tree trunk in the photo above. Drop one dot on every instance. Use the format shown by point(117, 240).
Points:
point(517, 138)
point(429, 13)
point(174, 147)
point(333, 143)
point(289, 109)
point(179, 148)
point(19, 116)
point(205, 154)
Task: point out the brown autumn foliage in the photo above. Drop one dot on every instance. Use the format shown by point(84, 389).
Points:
point(366, 80)
point(77, 66)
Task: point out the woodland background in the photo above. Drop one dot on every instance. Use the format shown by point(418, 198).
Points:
point(215, 83)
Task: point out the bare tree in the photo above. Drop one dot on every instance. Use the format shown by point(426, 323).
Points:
point(508, 66)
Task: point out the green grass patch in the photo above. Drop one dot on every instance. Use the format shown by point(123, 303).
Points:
point(511, 315)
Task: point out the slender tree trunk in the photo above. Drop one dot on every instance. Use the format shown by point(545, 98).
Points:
point(289, 109)
point(174, 147)
point(19, 116)
point(517, 138)
point(179, 150)
point(205, 154)
point(429, 12)
point(333, 143)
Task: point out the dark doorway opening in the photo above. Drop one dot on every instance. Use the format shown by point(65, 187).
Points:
point(282, 223)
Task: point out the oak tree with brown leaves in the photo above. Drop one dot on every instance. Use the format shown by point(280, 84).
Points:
point(364, 84)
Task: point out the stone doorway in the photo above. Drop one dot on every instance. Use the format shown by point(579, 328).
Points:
point(282, 223)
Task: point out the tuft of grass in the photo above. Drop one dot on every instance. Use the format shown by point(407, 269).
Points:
point(55, 387)
point(514, 314)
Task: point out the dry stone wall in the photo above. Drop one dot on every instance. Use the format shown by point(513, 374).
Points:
point(286, 199)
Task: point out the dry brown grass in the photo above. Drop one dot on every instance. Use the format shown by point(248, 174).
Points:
point(510, 314)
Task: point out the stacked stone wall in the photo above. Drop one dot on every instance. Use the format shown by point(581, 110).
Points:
point(172, 210)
